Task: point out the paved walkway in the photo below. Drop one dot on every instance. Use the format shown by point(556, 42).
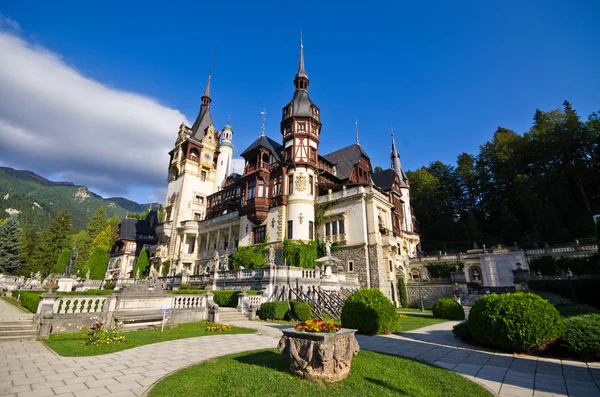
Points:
point(31, 369)
point(9, 312)
point(504, 374)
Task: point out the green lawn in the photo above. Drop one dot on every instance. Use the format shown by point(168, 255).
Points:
point(16, 304)
point(265, 373)
point(414, 322)
point(73, 345)
point(413, 309)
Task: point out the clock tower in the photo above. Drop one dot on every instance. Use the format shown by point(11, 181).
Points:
point(301, 128)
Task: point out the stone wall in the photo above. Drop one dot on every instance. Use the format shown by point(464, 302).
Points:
point(358, 255)
point(429, 291)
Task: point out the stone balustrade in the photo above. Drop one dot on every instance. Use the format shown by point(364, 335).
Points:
point(188, 301)
point(78, 304)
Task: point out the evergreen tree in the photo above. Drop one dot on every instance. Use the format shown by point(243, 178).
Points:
point(10, 246)
point(62, 262)
point(98, 262)
point(29, 242)
point(142, 263)
point(105, 238)
point(52, 242)
point(95, 227)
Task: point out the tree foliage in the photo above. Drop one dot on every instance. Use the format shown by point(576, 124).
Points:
point(51, 243)
point(142, 264)
point(62, 261)
point(97, 262)
point(539, 187)
point(85, 240)
point(10, 246)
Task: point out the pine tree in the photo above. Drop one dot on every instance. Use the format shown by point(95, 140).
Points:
point(52, 242)
point(10, 246)
point(29, 242)
point(98, 262)
point(84, 244)
point(105, 238)
point(142, 263)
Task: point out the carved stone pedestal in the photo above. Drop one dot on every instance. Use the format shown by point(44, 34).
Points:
point(320, 356)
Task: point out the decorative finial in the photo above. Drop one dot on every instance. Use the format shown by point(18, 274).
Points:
point(302, 46)
point(264, 117)
point(228, 119)
point(392, 127)
point(356, 124)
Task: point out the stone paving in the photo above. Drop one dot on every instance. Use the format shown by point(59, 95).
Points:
point(10, 313)
point(504, 374)
point(31, 369)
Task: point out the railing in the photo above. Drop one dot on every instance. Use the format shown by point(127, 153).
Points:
point(79, 304)
point(187, 301)
point(309, 274)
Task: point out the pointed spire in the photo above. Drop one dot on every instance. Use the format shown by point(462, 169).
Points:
point(395, 157)
point(301, 80)
point(356, 124)
point(206, 97)
point(264, 117)
point(204, 118)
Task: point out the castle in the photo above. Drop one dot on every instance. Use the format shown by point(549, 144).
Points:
point(285, 185)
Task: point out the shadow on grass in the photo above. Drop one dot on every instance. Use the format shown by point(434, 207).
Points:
point(386, 385)
point(268, 359)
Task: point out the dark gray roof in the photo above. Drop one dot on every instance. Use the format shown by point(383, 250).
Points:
point(301, 104)
point(202, 122)
point(130, 228)
point(384, 179)
point(267, 143)
point(345, 159)
point(301, 72)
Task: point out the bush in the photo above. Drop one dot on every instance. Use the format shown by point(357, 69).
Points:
point(402, 292)
point(462, 331)
point(518, 322)
point(185, 291)
point(370, 312)
point(586, 290)
point(582, 336)
point(444, 270)
point(449, 309)
point(226, 298)
point(29, 299)
point(301, 311)
point(273, 310)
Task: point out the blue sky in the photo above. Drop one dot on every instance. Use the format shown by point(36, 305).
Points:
point(445, 75)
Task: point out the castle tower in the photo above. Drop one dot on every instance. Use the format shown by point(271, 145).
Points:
point(301, 128)
point(404, 187)
point(224, 159)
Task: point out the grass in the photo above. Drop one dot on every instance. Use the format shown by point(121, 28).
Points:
point(265, 373)
point(73, 345)
point(414, 322)
point(413, 309)
point(16, 304)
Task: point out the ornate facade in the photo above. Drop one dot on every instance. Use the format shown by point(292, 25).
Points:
point(287, 191)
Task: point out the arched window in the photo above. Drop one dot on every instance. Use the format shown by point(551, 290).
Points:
point(194, 154)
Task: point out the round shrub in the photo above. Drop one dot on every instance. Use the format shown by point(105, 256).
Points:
point(462, 331)
point(226, 298)
point(370, 312)
point(273, 310)
point(582, 336)
point(519, 322)
point(449, 309)
point(301, 311)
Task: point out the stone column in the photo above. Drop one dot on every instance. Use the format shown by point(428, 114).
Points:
point(46, 314)
point(229, 238)
point(241, 297)
point(218, 240)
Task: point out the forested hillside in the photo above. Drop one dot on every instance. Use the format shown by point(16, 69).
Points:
point(38, 200)
point(542, 186)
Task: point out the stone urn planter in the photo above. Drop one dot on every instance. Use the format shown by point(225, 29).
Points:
point(320, 356)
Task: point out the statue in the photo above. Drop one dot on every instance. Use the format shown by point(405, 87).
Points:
point(475, 246)
point(271, 256)
point(217, 260)
point(153, 276)
point(328, 248)
point(225, 262)
point(37, 275)
point(475, 275)
point(137, 274)
point(69, 268)
point(87, 275)
point(576, 242)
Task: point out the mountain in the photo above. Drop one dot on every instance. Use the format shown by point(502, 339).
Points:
point(37, 200)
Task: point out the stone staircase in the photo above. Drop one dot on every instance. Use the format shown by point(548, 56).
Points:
point(231, 315)
point(17, 330)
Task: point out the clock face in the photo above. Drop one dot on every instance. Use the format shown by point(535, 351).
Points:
point(207, 156)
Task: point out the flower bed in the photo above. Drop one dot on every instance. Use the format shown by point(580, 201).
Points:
point(318, 325)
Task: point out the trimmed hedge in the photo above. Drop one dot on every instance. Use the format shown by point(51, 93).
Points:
point(273, 310)
point(518, 322)
point(226, 298)
point(402, 293)
point(582, 336)
point(462, 331)
point(586, 290)
point(370, 312)
point(29, 299)
point(185, 291)
point(449, 309)
point(301, 311)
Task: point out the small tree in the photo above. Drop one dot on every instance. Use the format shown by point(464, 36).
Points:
point(402, 292)
point(142, 263)
point(62, 262)
point(97, 262)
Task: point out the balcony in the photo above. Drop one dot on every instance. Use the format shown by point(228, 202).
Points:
point(336, 238)
point(163, 231)
point(256, 209)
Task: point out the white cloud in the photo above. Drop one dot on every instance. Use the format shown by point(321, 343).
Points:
point(54, 120)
